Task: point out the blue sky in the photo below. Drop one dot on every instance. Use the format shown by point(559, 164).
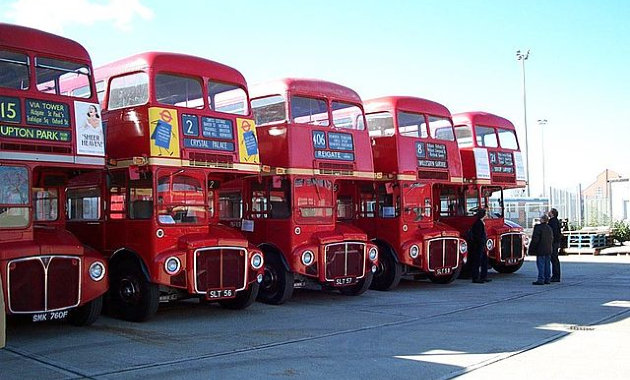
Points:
point(459, 53)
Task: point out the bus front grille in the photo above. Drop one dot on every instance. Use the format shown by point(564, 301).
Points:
point(43, 283)
point(344, 260)
point(443, 253)
point(511, 246)
point(220, 268)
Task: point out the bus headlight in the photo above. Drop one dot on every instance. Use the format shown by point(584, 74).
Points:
point(463, 247)
point(256, 261)
point(172, 265)
point(308, 257)
point(490, 244)
point(414, 251)
point(373, 253)
point(97, 271)
point(526, 240)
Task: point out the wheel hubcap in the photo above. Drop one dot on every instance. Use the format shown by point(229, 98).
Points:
point(128, 290)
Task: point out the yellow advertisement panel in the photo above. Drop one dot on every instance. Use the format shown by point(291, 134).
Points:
point(164, 132)
point(247, 141)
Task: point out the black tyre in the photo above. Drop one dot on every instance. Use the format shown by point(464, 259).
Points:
point(360, 287)
point(277, 285)
point(243, 299)
point(446, 279)
point(502, 268)
point(388, 271)
point(87, 314)
point(133, 297)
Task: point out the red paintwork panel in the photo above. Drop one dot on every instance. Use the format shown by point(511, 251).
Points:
point(23, 38)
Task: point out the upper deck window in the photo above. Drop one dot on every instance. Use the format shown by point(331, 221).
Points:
point(128, 90)
point(380, 124)
point(441, 128)
point(463, 133)
point(412, 124)
point(55, 76)
point(486, 136)
point(270, 109)
point(228, 98)
point(347, 115)
point(309, 111)
point(177, 90)
point(14, 197)
point(507, 139)
point(14, 70)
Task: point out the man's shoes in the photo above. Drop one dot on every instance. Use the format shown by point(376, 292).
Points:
point(487, 280)
point(555, 280)
point(478, 281)
point(538, 283)
point(547, 282)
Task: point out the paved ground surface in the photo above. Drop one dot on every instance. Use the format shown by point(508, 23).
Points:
point(578, 329)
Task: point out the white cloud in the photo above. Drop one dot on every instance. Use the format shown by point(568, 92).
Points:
point(53, 16)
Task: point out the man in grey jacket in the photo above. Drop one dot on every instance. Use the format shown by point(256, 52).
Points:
point(541, 246)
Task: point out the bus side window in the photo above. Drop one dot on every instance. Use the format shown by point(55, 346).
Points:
point(84, 204)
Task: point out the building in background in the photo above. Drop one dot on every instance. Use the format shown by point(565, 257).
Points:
point(608, 195)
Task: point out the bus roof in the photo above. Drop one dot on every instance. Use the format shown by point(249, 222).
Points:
point(175, 63)
point(483, 118)
point(311, 87)
point(406, 103)
point(22, 38)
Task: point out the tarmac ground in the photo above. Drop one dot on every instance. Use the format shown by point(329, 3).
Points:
point(508, 328)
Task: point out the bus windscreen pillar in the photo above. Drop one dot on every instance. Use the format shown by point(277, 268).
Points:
point(3, 322)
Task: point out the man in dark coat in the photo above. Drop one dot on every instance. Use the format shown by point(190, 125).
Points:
point(557, 240)
point(541, 246)
point(478, 258)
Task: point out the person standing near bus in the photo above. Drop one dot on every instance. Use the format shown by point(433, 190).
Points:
point(557, 240)
point(541, 247)
point(479, 259)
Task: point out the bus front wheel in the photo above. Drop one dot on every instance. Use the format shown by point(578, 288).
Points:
point(134, 298)
point(87, 314)
point(277, 284)
point(388, 271)
point(243, 299)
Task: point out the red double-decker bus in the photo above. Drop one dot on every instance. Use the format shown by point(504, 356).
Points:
point(492, 162)
point(313, 140)
point(414, 148)
point(47, 136)
point(178, 127)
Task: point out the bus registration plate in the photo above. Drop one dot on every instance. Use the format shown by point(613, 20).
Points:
point(343, 281)
point(443, 271)
point(511, 261)
point(50, 316)
point(217, 294)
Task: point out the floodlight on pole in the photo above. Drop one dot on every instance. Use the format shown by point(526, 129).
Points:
point(520, 56)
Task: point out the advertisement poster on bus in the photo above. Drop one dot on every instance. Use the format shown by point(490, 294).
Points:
point(482, 163)
point(164, 132)
point(89, 128)
point(247, 141)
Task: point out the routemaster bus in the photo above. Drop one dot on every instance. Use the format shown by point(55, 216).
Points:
point(47, 136)
point(414, 148)
point(178, 127)
point(313, 140)
point(492, 163)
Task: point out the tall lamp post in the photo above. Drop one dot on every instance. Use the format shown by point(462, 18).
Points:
point(523, 57)
point(541, 124)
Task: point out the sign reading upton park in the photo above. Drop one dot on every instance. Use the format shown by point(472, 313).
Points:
point(34, 133)
point(49, 114)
